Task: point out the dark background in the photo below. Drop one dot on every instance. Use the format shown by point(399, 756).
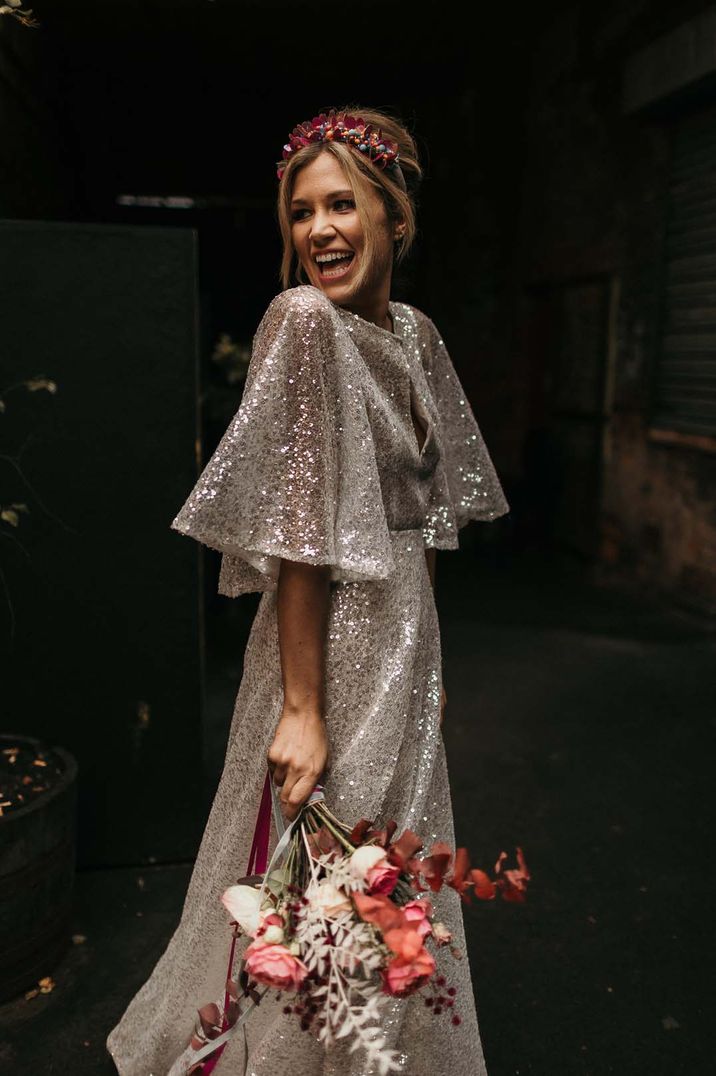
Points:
point(566, 254)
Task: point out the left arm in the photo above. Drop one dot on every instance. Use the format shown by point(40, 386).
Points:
point(430, 558)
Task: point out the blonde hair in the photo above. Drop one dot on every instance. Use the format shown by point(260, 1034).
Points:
point(362, 175)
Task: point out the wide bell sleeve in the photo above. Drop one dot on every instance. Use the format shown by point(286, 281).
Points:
point(295, 474)
point(465, 484)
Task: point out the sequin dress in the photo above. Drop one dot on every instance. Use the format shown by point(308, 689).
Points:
point(357, 448)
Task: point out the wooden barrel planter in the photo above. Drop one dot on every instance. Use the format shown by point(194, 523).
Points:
point(37, 871)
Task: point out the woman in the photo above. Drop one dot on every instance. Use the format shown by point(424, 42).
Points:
point(353, 457)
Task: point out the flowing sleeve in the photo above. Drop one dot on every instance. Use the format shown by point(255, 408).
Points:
point(295, 474)
point(465, 485)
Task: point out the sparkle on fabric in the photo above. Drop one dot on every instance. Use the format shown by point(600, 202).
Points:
point(322, 464)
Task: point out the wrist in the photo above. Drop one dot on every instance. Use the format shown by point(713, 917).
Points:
point(307, 712)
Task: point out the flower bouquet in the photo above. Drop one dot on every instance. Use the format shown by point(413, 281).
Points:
point(340, 920)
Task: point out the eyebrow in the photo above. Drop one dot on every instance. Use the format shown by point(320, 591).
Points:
point(332, 194)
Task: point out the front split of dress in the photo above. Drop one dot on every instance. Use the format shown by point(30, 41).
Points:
point(353, 447)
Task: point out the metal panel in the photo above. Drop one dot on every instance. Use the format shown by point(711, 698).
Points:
point(685, 376)
point(106, 654)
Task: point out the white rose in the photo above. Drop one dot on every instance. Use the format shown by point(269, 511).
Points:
point(364, 858)
point(328, 898)
point(441, 934)
point(273, 935)
point(242, 904)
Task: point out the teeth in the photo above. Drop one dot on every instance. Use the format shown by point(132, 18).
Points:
point(320, 258)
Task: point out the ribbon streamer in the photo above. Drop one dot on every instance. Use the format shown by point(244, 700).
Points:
point(257, 866)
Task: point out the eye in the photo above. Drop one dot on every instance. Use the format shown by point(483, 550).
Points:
point(297, 214)
point(344, 202)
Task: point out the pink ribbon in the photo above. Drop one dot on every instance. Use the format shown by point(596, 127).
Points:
point(258, 860)
point(258, 856)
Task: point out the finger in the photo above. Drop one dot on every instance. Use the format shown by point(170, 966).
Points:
point(294, 794)
point(278, 773)
point(301, 790)
point(289, 810)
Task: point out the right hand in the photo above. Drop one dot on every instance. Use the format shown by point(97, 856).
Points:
point(298, 757)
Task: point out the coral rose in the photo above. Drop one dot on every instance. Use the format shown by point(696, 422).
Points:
point(404, 975)
point(274, 966)
point(416, 912)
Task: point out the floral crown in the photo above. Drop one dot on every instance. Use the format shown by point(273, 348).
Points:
point(340, 127)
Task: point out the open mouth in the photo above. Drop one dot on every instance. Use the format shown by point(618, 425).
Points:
point(333, 266)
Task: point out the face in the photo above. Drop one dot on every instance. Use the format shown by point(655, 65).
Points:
point(328, 235)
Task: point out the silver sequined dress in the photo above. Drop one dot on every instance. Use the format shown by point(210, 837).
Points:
point(325, 463)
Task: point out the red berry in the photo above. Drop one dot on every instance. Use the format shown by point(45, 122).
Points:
point(441, 980)
point(452, 991)
point(456, 1020)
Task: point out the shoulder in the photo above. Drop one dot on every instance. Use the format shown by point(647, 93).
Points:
point(299, 305)
point(422, 328)
point(298, 331)
point(419, 319)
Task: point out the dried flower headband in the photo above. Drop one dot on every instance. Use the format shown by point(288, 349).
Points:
point(353, 131)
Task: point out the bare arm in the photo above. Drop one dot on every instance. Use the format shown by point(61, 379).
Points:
point(300, 745)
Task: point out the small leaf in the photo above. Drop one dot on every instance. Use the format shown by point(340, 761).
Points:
point(36, 383)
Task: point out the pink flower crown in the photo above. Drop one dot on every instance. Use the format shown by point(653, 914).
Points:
point(340, 127)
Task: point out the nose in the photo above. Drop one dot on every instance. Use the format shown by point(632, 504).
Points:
point(321, 228)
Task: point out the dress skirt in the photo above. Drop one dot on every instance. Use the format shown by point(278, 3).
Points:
point(387, 760)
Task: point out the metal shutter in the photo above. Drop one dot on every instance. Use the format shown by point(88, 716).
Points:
point(684, 397)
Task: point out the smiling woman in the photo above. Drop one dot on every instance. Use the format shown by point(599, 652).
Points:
point(334, 201)
point(353, 457)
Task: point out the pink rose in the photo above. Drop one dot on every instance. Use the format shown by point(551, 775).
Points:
point(417, 913)
point(404, 975)
point(274, 966)
point(382, 878)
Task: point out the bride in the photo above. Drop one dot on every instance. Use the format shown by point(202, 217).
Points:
point(353, 457)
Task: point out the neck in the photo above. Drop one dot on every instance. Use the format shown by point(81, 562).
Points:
point(374, 306)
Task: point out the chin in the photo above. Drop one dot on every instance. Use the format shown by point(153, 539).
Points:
point(338, 291)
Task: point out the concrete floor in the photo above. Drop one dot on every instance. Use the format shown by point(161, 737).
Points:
point(580, 724)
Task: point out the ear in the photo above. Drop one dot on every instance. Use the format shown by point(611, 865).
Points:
point(398, 230)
